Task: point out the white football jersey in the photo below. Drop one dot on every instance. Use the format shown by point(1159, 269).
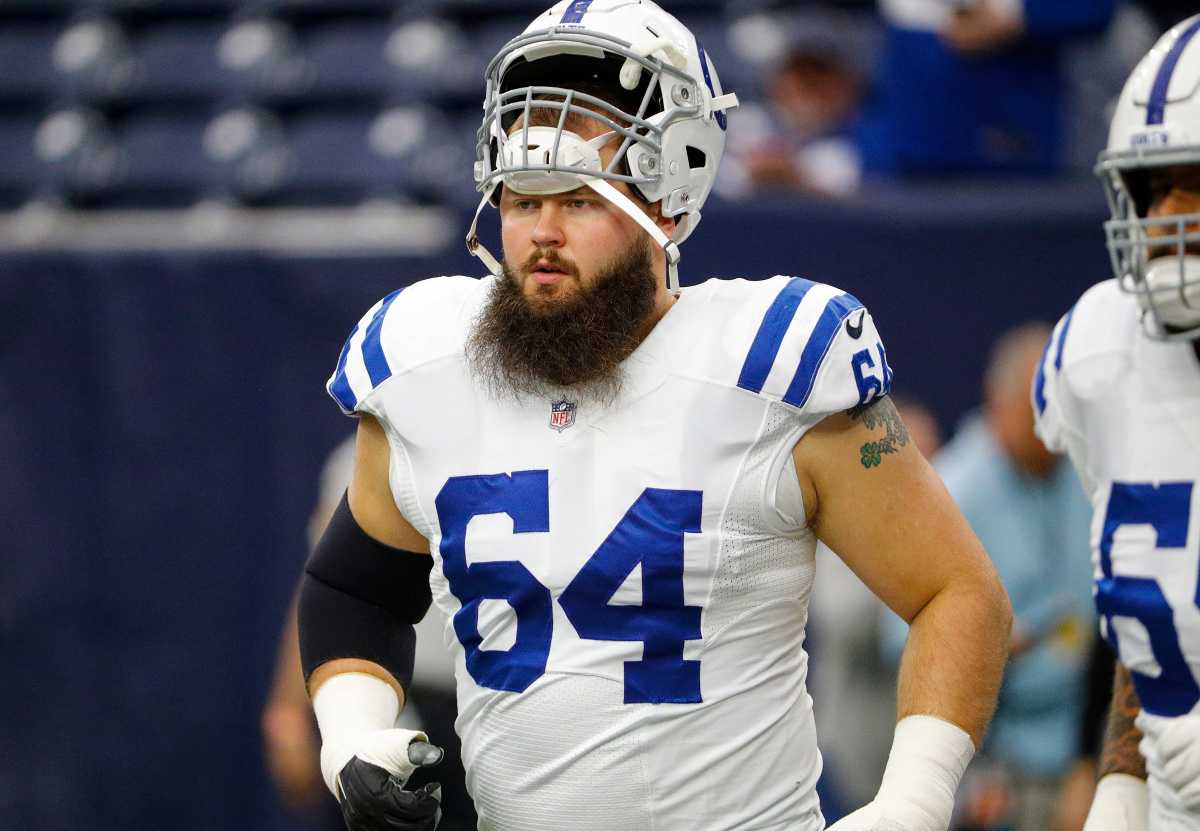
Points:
point(626, 586)
point(1127, 410)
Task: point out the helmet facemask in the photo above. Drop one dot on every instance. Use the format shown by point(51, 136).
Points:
point(1150, 255)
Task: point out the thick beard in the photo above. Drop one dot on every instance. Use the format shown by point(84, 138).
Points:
point(575, 346)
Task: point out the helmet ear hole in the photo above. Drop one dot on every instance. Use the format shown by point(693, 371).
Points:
point(697, 158)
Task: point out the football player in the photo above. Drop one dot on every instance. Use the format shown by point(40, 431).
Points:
point(1119, 390)
point(614, 487)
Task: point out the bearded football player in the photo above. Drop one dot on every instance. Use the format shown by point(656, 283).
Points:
point(613, 488)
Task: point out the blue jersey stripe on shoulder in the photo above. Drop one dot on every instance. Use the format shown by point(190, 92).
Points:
point(339, 387)
point(818, 345)
point(1055, 343)
point(770, 334)
point(376, 362)
point(1039, 379)
point(1062, 338)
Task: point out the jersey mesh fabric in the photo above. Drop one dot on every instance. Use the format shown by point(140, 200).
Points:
point(511, 759)
point(755, 567)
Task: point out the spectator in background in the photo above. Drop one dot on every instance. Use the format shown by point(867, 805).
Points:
point(290, 737)
point(974, 86)
point(1028, 509)
point(815, 98)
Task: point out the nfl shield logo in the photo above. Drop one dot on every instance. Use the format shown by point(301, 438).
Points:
point(562, 414)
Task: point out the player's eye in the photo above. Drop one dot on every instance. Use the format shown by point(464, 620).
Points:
point(524, 204)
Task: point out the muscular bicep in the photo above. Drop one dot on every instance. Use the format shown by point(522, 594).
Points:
point(370, 493)
point(874, 500)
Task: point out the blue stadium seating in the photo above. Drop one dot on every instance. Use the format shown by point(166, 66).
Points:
point(93, 60)
point(346, 61)
point(265, 59)
point(77, 155)
point(23, 172)
point(137, 84)
point(332, 160)
point(27, 72)
point(180, 62)
point(163, 161)
point(433, 59)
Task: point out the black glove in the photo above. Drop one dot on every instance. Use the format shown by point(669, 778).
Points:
point(374, 800)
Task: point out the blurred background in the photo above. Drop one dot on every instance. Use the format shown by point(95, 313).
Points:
point(199, 198)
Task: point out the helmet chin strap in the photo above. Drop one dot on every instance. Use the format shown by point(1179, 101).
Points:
point(477, 248)
point(624, 203)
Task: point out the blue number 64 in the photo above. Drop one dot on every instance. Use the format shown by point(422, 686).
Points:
point(651, 534)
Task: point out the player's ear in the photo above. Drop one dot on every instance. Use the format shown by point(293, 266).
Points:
point(665, 223)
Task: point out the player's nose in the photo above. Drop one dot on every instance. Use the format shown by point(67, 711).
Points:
point(548, 230)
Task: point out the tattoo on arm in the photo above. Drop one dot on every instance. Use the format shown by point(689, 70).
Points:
point(880, 414)
point(1121, 736)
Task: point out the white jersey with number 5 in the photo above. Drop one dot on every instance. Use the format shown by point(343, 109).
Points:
point(1127, 410)
point(626, 586)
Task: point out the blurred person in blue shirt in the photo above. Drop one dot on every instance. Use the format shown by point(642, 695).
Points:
point(1028, 509)
point(811, 142)
point(974, 86)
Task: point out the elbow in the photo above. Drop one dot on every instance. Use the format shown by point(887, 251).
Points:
point(999, 606)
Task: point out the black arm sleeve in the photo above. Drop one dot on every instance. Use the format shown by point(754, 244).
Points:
point(360, 598)
point(1100, 671)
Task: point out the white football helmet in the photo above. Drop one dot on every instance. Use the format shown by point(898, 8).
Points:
point(661, 96)
point(1157, 125)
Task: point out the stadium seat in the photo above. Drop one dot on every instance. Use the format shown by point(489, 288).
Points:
point(23, 172)
point(435, 159)
point(343, 158)
point(67, 154)
point(264, 58)
point(432, 59)
point(93, 60)
point(248, 148)
point(321, 8)
point(346, 62)
point(162, 8)
point(163, 161)
point(27, 72)
point(180, 62)
point(332, 161)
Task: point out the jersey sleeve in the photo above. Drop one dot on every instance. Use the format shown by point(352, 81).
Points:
point(816, 349)
point(1049, 392)
point(363, 364)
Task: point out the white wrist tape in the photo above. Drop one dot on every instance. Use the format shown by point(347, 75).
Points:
point(928, 758)
point(1121, 803)
point(350, 707)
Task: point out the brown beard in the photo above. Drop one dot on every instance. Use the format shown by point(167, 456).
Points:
point(529, 347)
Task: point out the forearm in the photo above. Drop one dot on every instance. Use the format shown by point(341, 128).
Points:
point(954, 658)
point(1120, 752)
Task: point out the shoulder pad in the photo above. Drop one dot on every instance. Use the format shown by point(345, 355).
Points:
point(810, 345)
point(409, 327)
point(1090, 344)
